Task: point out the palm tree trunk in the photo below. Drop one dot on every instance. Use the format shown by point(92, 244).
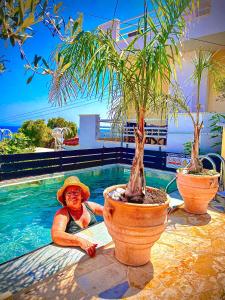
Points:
point(135, 191)
point(195, 164)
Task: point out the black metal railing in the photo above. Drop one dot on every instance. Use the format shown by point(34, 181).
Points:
point(31, 164)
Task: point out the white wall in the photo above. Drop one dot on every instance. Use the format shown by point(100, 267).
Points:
point(187, 84)
point(89, 134)
point(209, 24)
point(89, 130)
point(180, 131)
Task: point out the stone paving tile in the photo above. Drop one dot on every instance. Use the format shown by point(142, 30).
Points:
point(60, 286)
point(170, 293)
point(140, 277)
point(221, 279)
point(134, 294)
point(102, 279)
point(187, 262)
point(131, 293)
point(218, 246)
point(89, 265)
point(212, 295)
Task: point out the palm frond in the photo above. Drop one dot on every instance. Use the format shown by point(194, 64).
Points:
point(93, 62)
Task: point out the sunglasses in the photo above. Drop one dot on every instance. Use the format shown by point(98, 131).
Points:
point(75, 193)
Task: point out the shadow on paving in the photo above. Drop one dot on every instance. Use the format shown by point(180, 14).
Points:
point(101, 277)
point(181, 217)
point(19, 274)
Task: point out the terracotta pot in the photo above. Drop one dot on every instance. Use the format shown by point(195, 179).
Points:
point(197, 191)
point(134, 227)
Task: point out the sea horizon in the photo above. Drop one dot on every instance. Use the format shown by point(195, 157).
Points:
point(13, 128)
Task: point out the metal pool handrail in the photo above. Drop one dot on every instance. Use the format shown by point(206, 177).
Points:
point(169, 184)
point(201, 158)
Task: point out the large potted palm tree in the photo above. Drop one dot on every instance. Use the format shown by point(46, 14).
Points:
point(197, 185)
point(134, 76)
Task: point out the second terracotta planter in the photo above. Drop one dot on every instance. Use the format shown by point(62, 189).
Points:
point(134, 227)
point(197, 191)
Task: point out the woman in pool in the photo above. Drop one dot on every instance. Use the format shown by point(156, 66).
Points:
point(76, 214)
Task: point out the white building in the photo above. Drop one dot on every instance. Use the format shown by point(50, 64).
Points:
point(206, 31)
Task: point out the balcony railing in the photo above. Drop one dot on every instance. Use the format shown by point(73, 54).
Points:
point(110, 131)
point(131, 27)
point(155, 131)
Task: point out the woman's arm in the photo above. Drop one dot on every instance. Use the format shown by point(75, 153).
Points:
point(97, 208)
point(62, 238)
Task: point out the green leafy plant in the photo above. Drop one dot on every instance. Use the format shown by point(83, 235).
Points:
point(215, 129)
point(18, 19)
point(37, 131)
point(19, 143)
point(2, 64)
point(61, 122)
point(134, 76)
point(220, 88)
point(187, 148)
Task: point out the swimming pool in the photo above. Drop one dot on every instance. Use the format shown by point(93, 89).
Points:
point(27, 210)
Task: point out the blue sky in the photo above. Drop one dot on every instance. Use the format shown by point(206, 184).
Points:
point(19, 98)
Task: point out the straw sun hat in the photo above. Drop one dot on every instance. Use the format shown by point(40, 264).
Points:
point(73, 181)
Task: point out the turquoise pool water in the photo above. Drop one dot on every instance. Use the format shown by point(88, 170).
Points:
point(27, 210)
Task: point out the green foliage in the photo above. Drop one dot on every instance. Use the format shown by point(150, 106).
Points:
point(40, 134)
point(37, 131)
point(2, 64)
point(134, 76)
point(19, 143)
point(17, 17)
point(220, 88)
point(204, 172)
point(220, 85)
point(61, 122)
point(2, 67)
point(94, 62)
point(187, 148)
point(215, 130)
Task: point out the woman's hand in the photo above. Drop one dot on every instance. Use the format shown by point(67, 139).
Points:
point(89, 247)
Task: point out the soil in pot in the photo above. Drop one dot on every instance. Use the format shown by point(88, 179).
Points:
point(152, 196)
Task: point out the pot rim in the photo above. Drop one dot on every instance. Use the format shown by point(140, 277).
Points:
point(197, 175)
point(112, 187)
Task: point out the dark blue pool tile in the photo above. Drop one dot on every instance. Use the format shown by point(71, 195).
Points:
point(221, 208)
point(115, 292)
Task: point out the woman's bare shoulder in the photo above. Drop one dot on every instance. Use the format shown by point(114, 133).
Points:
point(61, 219)
point(62, 212)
